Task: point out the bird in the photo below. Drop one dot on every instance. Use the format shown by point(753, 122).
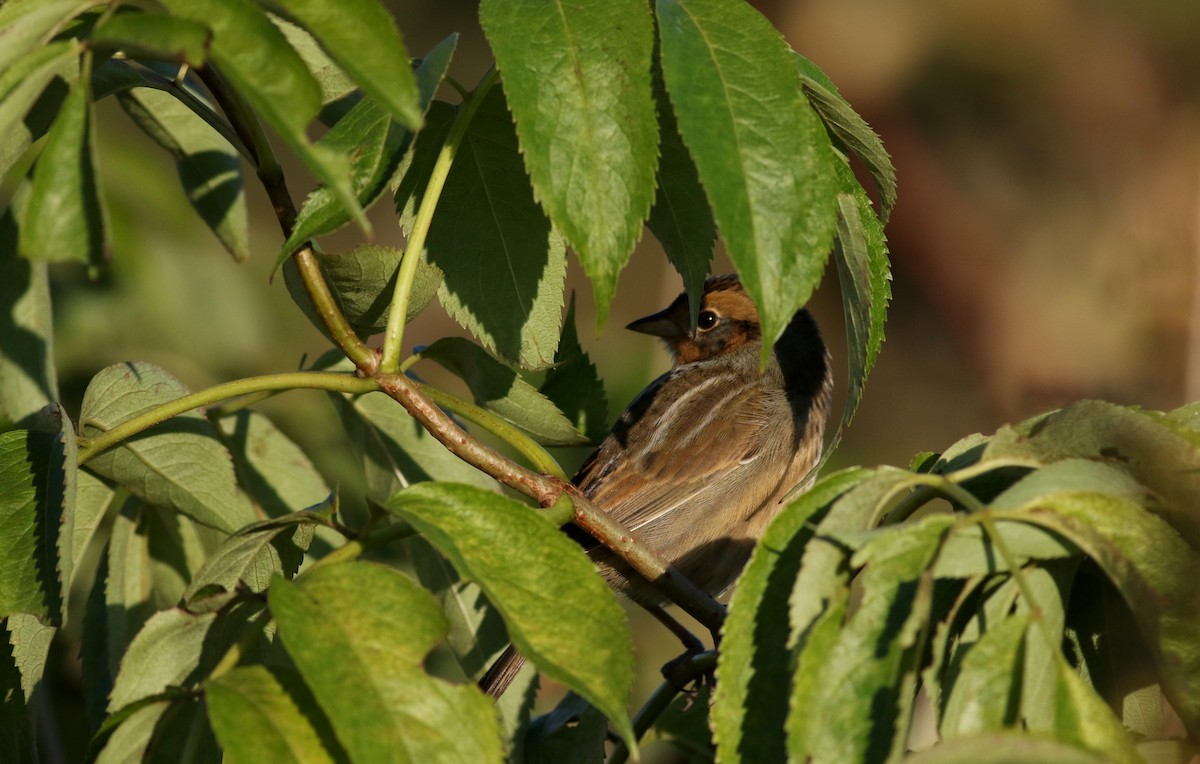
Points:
point(702, 459)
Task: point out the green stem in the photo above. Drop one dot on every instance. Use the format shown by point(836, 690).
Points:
point(537, 456)
point(313, 380)
point(393, 339)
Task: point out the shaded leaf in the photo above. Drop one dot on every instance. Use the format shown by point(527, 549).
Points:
point(381, 626)
point(396, 451)
point(363, 39)
point(28, 377)
point(500, 389)
point(152, 555)
point(375, 144)
point(64, 220)
point(164, 653)
point(363, 281)
point(759, 148)
point(680, 218)
point(272, 468)
point(154, 36)
point(256, 59)
point(1156, 572)
point(179, 464)
point(573, 385)
point(209, 169)
point(558, 611)
point(504, 264)
point(131, 740)
point(572, 733)
point(986, 692)
point(577, 78)
point(253, 556)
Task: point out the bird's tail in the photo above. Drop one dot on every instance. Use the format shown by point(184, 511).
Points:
point(503, 671)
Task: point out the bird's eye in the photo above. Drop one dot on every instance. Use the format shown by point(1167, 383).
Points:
point(707, 320)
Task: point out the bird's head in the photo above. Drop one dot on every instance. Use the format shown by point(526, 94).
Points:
point(727, 321)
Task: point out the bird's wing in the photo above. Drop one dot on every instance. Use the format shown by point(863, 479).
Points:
point(684, 450)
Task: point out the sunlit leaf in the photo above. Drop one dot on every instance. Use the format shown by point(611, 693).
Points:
point(558, 612)
point(577, 78)
point(64, 220)
point(380, 625)
point(257, 720)
point(179, 464)
point(362, 37)
point(851, 129)
point(760, 150)
point(277, 473)
point(750, 704)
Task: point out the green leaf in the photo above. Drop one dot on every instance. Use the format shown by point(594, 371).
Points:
point(179, 464)
point(375, 144)
point(498, 388)
point(31, 491)
point(574, 386)
point(31, 93)
point(163, 654)
point(869, 673)
point(30, 642)
point(1083, 718)
point(339, 93)
point(573, 733)
point(254, 555)
point(26, 24)
point(152, 555)
point(18, 734)
point(476, 636)
point(852, 130)
point(254, 56)
point(363, 39)
point(751, 703)
point(257, 720)
point(558, 611)
point(504, 263)
point(28, 377)
point(363, 281)
point(760, 150)
point(380, 626)
point(1010, 747)
point(153, 36)
point(680, 218)
point(272, 468)
point(685, 724)
point(64, 220)
point(1155, 570)
point(209, 169)
point(577, 77)
point(131, 740)
point(820, 637)
point(396, 451)
point(986, 693)
point(864, 275)
point(970, 551)
point(1140, 443)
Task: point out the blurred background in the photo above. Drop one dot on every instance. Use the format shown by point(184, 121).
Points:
point(1044, 246)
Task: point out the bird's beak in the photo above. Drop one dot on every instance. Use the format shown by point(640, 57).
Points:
point(659, 324)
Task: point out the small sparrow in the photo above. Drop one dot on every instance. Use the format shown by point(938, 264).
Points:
point(699, 463)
